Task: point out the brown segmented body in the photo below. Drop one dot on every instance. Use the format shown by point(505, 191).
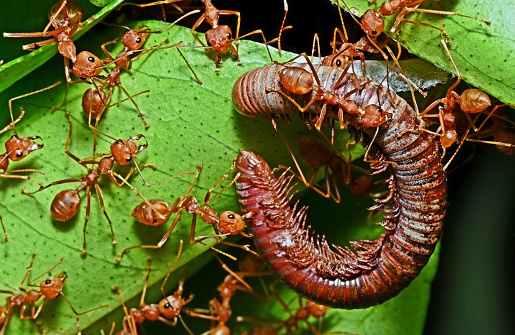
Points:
point(337, 276)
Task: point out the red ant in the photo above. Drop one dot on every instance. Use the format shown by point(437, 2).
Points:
point(50, 289)
point(471, 101)
point(168, 309)
point(17, 148)
point(66, 203)
point(316, 155)
point(219, 37)
point(65, 16)
point(391, 7)
point(227, 224)
point(503, 135)
point(89, 66)
point(298, 80)
point(221, 309)
point(304, 310)
point(372, 25)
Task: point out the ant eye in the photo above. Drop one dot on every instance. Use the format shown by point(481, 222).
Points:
point(48, 281)
point(19, 154)
point(167, 305)
point(231, 216)
point(91, 59)
point(228, 36)
point(338, 63)
point(138, 40)
point(128, 159)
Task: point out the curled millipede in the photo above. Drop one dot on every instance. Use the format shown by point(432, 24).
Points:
point(333, 275)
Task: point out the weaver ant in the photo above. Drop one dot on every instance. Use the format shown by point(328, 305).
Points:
point(503, 135)
point(66, 17)
point(89, 66)
point(221, 309)
point(167, 311)
point(391, 7)
point(66, 203)
point(157, 212)
point(316, 154)
point(470, 101)
point(17, 148)
point(49, 289)
point(372, 26)
point(298, 80)
point(219, 37)
point(300, 314)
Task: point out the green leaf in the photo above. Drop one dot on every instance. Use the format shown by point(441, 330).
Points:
point(16, 69)
point(482, 53)
point(189, 124)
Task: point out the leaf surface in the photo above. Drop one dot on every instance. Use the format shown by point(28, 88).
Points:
point(482, 53)
point(190, 124)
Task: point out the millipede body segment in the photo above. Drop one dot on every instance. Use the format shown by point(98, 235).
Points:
point(374, 271)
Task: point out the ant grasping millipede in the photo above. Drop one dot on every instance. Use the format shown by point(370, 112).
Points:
point(372, 26)
point(228, 223)
point(297, 80)
point(66, 203)
point(17, 148)
point(167, 311)
point(49, 289)
point(470, 101)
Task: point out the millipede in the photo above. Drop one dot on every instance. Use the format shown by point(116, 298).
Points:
point(376, 270)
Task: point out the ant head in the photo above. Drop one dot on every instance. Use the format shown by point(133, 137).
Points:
point(71, 15)
point(338, 60)
point(20, 147)
point(52, 286)
point(171, 306)
point(87, 65)
point(133, 39)
point(231, 223)
point(123, 151)
point(450, 136)
point(220, 38)
point(372, 23)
